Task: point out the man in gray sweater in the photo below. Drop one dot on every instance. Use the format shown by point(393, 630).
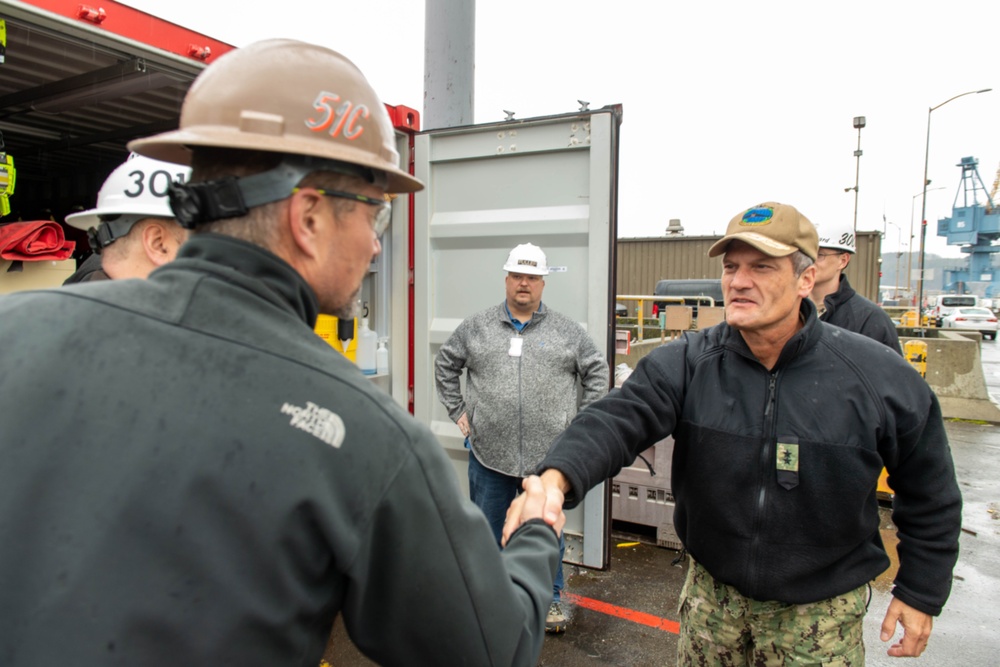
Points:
point(523, 362)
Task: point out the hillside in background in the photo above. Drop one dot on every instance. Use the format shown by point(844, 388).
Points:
point(935, 263)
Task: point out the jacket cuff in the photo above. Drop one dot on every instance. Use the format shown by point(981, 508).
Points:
point(530, 522)
point(570, 499)
point(916, 603)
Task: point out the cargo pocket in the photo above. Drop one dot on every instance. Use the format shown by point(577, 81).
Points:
point(848, 642)
point(855, 657)
point(787, 462)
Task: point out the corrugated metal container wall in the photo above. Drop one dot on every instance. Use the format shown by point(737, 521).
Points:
point(863, 271)
point(643, 261)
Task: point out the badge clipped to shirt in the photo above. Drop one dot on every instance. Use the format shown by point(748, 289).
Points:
point(515, 347)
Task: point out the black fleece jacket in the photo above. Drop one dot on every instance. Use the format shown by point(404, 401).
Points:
point(847, 309)
point(774, 471)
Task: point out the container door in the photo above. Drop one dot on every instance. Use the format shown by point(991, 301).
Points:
point(549, 181)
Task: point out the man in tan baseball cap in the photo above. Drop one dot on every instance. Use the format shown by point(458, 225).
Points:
point(778, 418)
point(767, 269)
point(775, 229)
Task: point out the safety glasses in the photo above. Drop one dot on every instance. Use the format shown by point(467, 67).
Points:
point(383, 214)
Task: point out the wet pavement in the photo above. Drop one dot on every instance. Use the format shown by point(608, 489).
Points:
point(626, 616)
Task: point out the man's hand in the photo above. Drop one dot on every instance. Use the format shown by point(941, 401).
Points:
point(542, 498)
point(916, 629)
point(463, 424)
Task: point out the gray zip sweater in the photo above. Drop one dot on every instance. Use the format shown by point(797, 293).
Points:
point(518, 404)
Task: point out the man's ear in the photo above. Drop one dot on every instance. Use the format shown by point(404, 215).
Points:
point(305, 224)
point(158, 243)
point(845, 259)
point(807, 281)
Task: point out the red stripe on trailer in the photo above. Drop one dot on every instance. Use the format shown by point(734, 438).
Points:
point(139, 26)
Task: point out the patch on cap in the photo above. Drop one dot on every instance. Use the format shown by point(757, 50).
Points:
point(757, 216)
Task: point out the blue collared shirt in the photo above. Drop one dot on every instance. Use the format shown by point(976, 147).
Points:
point(518, 324)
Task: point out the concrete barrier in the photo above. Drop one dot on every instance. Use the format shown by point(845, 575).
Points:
point(954, 371)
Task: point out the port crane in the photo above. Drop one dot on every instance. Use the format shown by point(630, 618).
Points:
point(975, 225)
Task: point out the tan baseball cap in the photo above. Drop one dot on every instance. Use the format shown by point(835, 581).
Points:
point(775, 229)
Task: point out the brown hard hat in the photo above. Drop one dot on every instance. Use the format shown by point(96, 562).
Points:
point(290, 97)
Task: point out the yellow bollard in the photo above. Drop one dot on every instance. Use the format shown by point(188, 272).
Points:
point(915, 352)
point(883, 489)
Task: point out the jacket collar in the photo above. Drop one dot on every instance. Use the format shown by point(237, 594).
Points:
point(504, 313)
point(838, 298)
point(254, 268)
point(803, 340)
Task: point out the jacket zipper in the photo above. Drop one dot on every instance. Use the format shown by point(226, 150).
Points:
point(520, 406)
point(770, 410)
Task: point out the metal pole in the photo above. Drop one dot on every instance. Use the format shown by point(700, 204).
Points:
point(899, 260)
point(909, 248)
point(923, 225)
point(899, 253)
point(449, 63)
point(909, 253)
point(923, 204)
point(857, 174)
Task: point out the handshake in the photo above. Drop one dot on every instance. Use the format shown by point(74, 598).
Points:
point(542, 499)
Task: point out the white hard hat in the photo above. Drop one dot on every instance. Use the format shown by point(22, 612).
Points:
point(138, 188)
point(527, 258)
point(837, 236)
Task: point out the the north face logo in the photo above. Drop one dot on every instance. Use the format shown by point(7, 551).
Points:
point(317, 421)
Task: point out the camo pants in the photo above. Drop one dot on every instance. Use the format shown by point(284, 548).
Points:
point(722, 628)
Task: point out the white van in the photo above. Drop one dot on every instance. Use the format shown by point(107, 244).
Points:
point(943, 304)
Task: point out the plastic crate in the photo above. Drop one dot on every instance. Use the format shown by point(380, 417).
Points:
point(647, 506)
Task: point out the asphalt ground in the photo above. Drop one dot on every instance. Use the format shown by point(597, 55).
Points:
point(627, 616)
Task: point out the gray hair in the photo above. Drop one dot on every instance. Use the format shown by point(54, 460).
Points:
point(800, 262)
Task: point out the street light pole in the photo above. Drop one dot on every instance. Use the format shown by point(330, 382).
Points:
point(909, 248)
point(923, 204)
point(859, 122)
point(899, 254)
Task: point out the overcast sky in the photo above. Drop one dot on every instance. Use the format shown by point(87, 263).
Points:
point(726, 104)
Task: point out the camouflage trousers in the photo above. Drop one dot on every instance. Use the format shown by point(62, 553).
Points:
point(722, 628)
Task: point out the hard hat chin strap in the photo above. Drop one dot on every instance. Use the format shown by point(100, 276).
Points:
point(198, 203)
point(233, 197)
point(110, 230)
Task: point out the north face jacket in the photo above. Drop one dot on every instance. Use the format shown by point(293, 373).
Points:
point(231, 486)
point(774, 471)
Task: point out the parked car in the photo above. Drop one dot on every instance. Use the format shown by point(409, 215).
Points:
point(944, 304)
point(621, 310)
point(978, 319)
